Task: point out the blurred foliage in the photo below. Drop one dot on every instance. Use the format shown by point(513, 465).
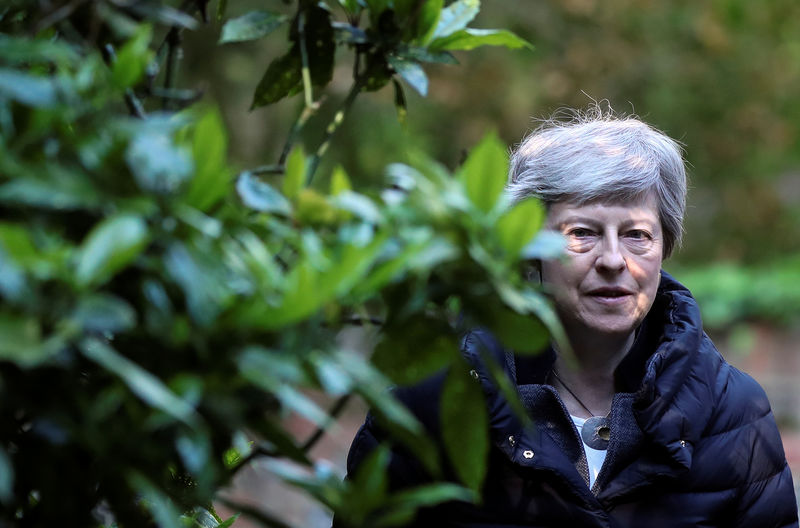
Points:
point(162, 313)
point(729, 294)
point(720, 76)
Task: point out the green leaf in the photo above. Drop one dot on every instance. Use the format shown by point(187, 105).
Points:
point(28, 89)
point(530, 301)
point(359, 205)
point(283, 77)
point(430, 12)
point(412, 73)
point(157, 164)
point(456, 16)
point(517, 227)
point(415, 350)
point(402, 505)
point(339, 181)
point(307, 289)
point(55, 187)
point(260, 196)
point(546, 245)
point(295, 176)
point(6, 478)
point(133, 58)
point(314, 208)
point(470, 38)
point(320, 43)
point(104, 313)
point(160, 506)
point(251, 26)
point(484, 172)
point(202, 279)
point(20, 340)
point(23, 50)
point(465, 426)
point(227, 523)
point(110, 246)
point(523, 333)
point(13, 282)
point(141, 382)
point(370, 482)
point(211, 179)
point(425, 55)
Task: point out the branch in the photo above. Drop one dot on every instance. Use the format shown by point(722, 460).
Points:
point(306, 71)
point(313, 162)
point(173, 41)
point(269, 169)
point(298, 125)
point(135, 107)
point(337, 408)
point(57, 15)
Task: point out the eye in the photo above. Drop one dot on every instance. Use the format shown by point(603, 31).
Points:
point(580, 232)
point(638, 234)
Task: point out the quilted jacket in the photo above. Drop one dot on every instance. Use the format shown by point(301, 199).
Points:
point(694, 442)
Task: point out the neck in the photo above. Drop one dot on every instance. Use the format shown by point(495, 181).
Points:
point(589, 372)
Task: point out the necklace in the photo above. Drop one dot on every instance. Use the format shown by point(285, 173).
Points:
point(596, 431)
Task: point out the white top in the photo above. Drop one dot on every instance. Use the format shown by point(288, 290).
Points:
point(594, 457)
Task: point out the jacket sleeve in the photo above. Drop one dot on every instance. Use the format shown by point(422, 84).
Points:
point(769, 503)
point(405, 470)
point(767, 498)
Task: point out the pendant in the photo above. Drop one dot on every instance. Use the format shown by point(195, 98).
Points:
point(596, 432)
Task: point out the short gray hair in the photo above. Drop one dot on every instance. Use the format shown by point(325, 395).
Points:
point(583, 156)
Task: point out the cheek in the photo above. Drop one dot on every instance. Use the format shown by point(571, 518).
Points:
point(555, 272)
point(648, 274)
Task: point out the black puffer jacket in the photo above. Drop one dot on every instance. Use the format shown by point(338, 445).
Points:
point(694, 442)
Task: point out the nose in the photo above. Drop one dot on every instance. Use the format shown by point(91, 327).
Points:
point(610, 258)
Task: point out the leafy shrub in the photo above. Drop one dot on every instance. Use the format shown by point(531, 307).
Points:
point(162, 313)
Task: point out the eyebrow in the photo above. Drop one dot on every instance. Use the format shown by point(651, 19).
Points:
point(577, 219)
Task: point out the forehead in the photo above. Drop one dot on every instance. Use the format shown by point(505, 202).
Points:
point(642, 208)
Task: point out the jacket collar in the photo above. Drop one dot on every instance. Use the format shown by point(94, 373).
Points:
point(660, 365)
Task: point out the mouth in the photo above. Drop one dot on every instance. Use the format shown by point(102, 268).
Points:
point(610, 293)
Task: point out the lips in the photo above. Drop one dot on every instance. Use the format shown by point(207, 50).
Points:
point(610, 292)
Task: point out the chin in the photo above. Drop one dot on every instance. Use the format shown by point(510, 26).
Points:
point(614, 328)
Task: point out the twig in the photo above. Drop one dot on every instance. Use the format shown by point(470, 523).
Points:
point(183, 96)
point(135, 107)
point(337, 408)
point(313, 162)
point(269, 169)
point(263, 451)
point(58, 15)
point(183, 7)
point(258, 452)
point(306, 71)
point(298, 125)
point(173, 47)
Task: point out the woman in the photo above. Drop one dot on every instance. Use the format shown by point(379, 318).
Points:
point(645, 425)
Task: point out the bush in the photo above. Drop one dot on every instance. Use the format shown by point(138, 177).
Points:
point(162, 312)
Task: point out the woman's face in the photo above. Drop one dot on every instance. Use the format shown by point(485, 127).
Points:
point(608, 280)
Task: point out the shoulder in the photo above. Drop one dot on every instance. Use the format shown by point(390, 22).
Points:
point(741, 428)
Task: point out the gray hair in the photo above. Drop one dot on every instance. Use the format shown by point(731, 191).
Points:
point(597, 155)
